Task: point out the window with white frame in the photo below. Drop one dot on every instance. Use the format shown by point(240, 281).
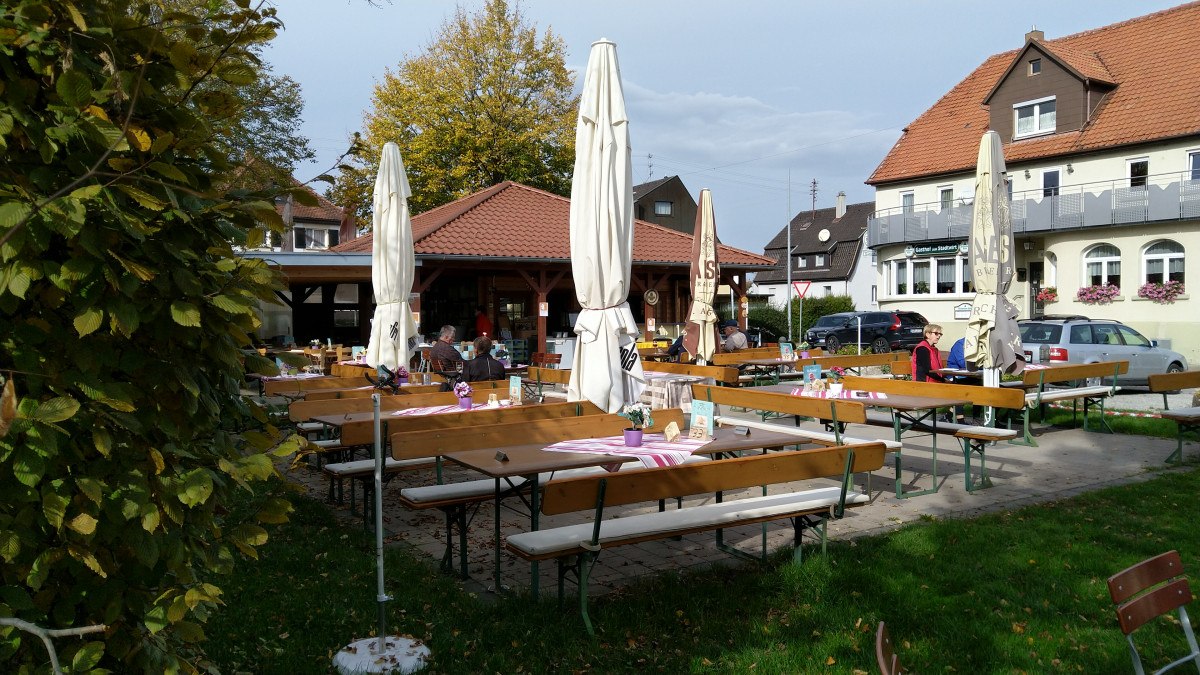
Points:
point(1050, 182)
point(820, 261)
point(946, 197)
point(828, 291)
point(1194, 165)
point(1139, 170)
point(1035, 66)
point(1051, 269)
point(305, 238)
point(948, 275)
point(663, 208)
point(1102, 265)
point(907, 201)
point(1034, 117)
point(801, 262)
point(1162, 261)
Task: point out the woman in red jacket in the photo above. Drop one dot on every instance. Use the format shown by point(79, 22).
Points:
point(925, 356)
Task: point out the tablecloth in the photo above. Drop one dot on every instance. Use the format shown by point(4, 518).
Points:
point(654, 452)
point(670, 390)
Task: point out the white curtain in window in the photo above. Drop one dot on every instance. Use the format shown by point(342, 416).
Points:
point(921, 277)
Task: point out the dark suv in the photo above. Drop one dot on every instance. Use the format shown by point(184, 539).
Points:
point(881, 331)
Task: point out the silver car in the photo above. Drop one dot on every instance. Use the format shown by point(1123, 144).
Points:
point(1077, 339)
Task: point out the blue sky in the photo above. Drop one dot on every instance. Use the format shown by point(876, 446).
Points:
point(732, 96)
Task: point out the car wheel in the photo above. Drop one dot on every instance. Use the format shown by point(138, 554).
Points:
point(880, 346)
point(832, 344)
point(1175, 368)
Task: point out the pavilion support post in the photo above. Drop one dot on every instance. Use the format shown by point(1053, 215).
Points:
point(742, 311)
point(366, 303)
point(423, 279)
point(649, 311)
point(541, 286)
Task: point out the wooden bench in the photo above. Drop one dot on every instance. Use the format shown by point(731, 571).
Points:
point(1068, 379)
point(1186, 419)
point(471, 423)
point(973, 439)
point(576, 547)
point(367, 390)
point(456, 499)
point(539, 377)
point(299, 387)
point(726, 375)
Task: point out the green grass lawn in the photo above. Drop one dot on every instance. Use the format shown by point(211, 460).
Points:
point(1018, 591)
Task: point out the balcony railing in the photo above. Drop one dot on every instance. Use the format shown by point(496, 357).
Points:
point(1164, 197)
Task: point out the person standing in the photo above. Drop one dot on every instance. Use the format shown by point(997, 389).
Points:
point(483, 325)
point(483, 366)
point(925, 356)
point(734, 339)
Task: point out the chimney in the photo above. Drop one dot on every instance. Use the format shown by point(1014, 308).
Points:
point(841, 205)
point(1035, 34)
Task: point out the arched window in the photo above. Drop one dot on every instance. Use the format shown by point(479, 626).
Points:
point(1051, 269)
point(1162, 261)
point(1102, 265)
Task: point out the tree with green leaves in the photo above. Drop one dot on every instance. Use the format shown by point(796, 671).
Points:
point(488, 101)
point(125, 326)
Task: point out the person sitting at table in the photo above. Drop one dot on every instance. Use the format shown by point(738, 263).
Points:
point(956, 359)
point(676, 349)
point(925, 356)
point(444, 357)
point(734, 338)
point(483, 366)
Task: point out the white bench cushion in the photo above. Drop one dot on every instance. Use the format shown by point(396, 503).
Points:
point(366, 466)
point(309, 427)
point(1184, 414)
point(708, 516)
point(986, 432)
point(1063, 394)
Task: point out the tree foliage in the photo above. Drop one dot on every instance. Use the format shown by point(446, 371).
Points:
point(488, 101)
point(125, 319)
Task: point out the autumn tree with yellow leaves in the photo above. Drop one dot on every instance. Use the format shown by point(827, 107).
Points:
point(489, 100)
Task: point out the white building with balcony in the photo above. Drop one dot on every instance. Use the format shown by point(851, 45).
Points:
point(1101, 136)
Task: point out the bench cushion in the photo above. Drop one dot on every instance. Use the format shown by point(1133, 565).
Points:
point(562, 540)
point(1064, 394)
point(986, 433)
point(367, 466)
point(1182, 414)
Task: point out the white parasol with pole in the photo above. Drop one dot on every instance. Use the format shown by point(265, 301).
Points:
point(701, 340)
point(606, 369)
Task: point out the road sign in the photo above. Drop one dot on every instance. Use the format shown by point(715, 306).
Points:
point(801, 287)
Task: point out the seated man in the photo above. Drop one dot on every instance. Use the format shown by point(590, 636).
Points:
point(734, 338)
point(444, 356)
point(483, 366)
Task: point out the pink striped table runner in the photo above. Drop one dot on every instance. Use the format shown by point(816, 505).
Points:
point(654, 452)
point(845, 393)
point(443, 409)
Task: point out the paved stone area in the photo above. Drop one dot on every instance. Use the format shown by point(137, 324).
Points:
point(1067, 462)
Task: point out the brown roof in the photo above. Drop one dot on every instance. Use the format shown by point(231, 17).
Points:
point(510, 220)
point(324, 210)
point(1152, 60)
point(842, 247)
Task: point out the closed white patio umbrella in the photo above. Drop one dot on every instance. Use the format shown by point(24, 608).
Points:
point(392, 265)
point(701, 340)
point(993, 340)
point(606, 370)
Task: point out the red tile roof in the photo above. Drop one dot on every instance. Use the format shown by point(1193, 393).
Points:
point(1152, 59)
point(324, 210)
point(510, 220)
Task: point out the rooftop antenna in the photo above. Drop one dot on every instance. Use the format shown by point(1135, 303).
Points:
point(812, 189)
point(649, 166)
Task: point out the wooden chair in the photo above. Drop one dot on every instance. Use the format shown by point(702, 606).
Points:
point(544, 360)
point(885, 656)
point(1148, 590)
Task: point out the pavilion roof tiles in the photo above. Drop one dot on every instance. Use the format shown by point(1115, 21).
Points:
point(510, 220)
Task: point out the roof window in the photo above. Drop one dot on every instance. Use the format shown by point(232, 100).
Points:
point(1035, 66)
point(1033, 118)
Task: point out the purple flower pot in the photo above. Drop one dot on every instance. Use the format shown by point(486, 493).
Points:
point(633, 438)
point(804, 354)
point(403, 379)
point(465, 403)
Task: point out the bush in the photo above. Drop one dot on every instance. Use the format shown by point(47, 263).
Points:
point(774, 319)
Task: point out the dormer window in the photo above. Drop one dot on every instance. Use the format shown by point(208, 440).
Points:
point(1035, 66)
point(1034, 118)
point(662, 208)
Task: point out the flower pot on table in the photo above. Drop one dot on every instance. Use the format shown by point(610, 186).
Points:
point(466, 402)
point(633, 438)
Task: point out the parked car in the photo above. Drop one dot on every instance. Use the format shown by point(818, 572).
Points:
point(881, 331)
point(1078, 339)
